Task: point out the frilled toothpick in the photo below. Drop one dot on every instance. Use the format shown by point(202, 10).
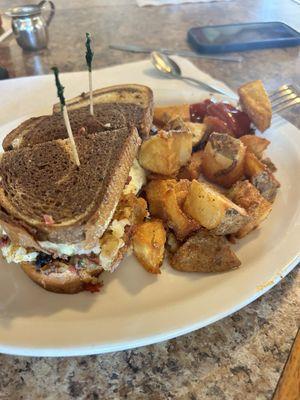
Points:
point(89, 58)
point(60, 94)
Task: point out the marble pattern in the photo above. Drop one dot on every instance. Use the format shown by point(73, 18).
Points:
point(241, 356)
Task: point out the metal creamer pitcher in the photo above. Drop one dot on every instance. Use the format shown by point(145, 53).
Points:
point(29, 26)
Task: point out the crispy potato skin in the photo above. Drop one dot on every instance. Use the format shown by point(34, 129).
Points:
point(247, 196)
point(213, 210)
point(163, 115)
point(132, 208)
point(193, 168)
point(204, 252)
point(165, 199)
point(223, 159)
point(255, 144)
point(253, 166)
point(166, 152)
point(198, 131)
point(261, 177)
point(255, 102)
point(149, 245)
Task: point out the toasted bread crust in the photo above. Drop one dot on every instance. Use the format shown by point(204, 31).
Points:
point(67, 282)
point(21, 130)
point(98, 223)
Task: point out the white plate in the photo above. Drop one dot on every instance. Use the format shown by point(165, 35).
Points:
point(135, 308)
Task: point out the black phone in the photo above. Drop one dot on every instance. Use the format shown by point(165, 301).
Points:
point(240, 37)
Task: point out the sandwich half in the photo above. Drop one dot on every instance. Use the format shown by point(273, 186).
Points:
point(114, 107)
point(134, 101)
point(66, 224)
point(51, 127)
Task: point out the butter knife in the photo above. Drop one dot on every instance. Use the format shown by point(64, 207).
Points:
point(183, 53)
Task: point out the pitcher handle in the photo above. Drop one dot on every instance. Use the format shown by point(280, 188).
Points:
point(52, 9)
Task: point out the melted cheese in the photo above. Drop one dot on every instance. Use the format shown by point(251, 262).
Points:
point(68, 249)
point(138, 178)
point(108, 248)
point(17, 254)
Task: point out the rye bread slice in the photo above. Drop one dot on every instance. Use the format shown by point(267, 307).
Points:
point(52, 127)
point(67, 281)
point(44, 181)
point(134, 101)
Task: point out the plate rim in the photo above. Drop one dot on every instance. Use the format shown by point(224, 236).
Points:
point(78, 351)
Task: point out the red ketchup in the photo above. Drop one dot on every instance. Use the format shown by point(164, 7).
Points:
point(237, 121)
point(198, 110)
point(216, 125)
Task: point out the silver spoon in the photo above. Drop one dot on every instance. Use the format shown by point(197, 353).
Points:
point(167, 66)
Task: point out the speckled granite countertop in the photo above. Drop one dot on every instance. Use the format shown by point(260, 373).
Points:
point(240, 357)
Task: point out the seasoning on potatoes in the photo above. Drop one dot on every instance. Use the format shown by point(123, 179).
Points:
point(166, 152)
point(165, 199)
point(213, 210)
point(256, 103)
point(261, 177)
point(163, 115)
point(255, 144)
point(247, 196)
point(204, 252)
point(149, 245)
point(223, 159)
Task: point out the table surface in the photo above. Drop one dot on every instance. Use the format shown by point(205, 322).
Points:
point(241, 356)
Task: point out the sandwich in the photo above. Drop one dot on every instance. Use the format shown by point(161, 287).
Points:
point(65, 224)
point(52, 127)
point(114, 107)
point(134, 101)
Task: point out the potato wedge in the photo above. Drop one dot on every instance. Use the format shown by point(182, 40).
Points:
point(193, 168)
point(223, 159)
point(149, 245)
point(256, 103)
point(163, 115)
point(177, 124)
point(244, 194)
point(132, 208)
point(253, 166)
point(165, 199)
point(172, 244)
point(255, 144)
point(213, 210)
point(198, 131)
point(261, 177)
point(166, 152)
point(269, 164)
point(204, 252)
point(181, 188)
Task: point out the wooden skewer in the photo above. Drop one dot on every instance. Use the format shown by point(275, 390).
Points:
point(60, 94)
point(91, 94)
point(71, 137)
